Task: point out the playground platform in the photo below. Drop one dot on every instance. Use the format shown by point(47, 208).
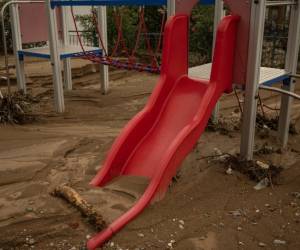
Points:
point(268, 76)
point(68, 51)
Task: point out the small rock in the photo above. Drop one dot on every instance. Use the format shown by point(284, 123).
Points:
point(239, 228)
point(88, 237)
point(181, 222)
point(221, 224)
point(279, 242)
point(170, 244)
point(181, 227)
point(31, 241)
point(202, 238)
point(51, 244)
point(229, 171)
point(261, 244)
point(263, 165)
point(217, 152)
point(73, 248)
point(241, 243)
point(141, 235)
point(29, 209)
point(111, 244)
point(236, 213)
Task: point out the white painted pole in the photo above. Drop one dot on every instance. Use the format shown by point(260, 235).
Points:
point(291, 66)
point(65, 41)
point(257, 22)
point(55, 59)
point(104, 73)
point(219, 14)
point(17, 45)
point(171, 7)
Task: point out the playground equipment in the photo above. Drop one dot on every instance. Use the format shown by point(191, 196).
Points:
point(258, 77)
point(28, 14)
point(156, 141)
point(130, 63)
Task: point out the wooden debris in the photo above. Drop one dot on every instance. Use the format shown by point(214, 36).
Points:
point(17, 108)
point(86, 209)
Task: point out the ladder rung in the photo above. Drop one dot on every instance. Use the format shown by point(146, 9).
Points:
point(280, 3)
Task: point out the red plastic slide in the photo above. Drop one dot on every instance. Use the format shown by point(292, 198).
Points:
point(156, 141)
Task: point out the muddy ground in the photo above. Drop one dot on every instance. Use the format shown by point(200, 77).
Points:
point(205, 207)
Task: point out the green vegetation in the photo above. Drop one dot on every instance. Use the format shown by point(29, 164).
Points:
point(201, 29)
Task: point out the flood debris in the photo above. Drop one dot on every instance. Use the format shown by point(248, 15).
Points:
point(296, 195)
point(17, 108)
point(264, 122)
point(224, 127)
point(255, 170)
point(86, 209)
point(266, 149)
point(264, 183)
point(263, 165)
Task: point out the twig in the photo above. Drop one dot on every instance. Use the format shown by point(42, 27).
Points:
point(214, 156)
point(269, 107)
point(261, 105)
point(238, 99)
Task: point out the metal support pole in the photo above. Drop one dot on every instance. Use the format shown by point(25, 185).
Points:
point(55, 59)
point(104, 73)
point(291, 66)
point(17, 45)
point(219, 14)
point(252, 81)
point(171, 7)
point(65, 41)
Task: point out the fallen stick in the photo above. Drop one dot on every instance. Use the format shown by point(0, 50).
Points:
point(86, 209)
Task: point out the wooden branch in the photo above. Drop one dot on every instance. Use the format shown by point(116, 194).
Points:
point(86, 209)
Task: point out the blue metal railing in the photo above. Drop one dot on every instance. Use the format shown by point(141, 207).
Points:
point(55, 3)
